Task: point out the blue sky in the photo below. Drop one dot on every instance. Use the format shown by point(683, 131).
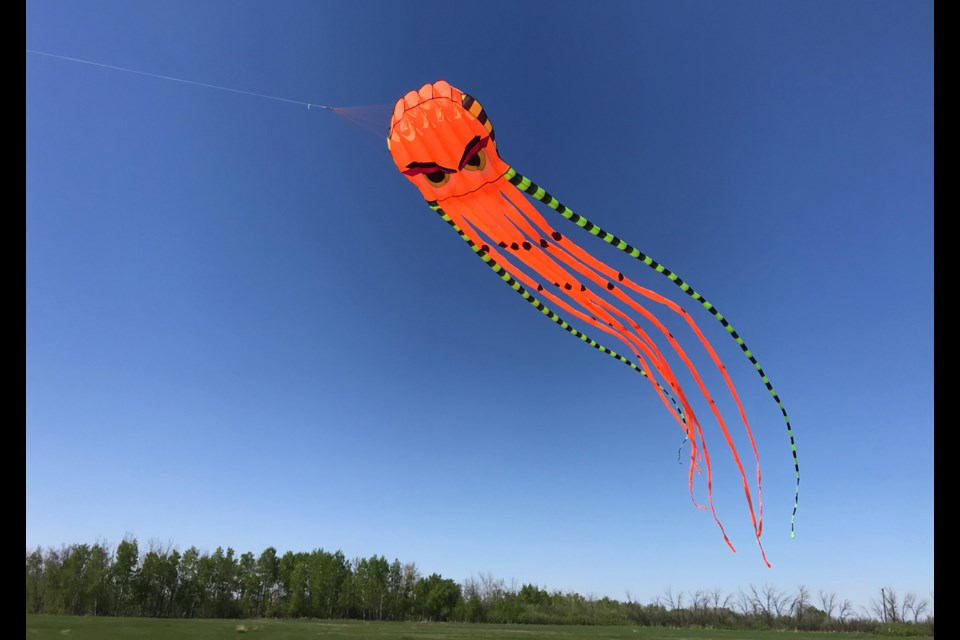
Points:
point(245, 328)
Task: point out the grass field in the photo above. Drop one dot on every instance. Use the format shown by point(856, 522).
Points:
point(73, 627)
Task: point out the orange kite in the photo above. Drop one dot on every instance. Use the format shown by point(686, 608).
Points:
point(442, 140)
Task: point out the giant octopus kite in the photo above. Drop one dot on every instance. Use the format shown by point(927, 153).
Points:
point(442, 140)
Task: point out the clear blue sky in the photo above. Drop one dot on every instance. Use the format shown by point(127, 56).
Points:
point(245, 328)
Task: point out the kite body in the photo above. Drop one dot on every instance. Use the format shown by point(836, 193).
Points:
point(442, 140)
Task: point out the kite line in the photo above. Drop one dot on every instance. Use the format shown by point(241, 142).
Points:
point(308, 105)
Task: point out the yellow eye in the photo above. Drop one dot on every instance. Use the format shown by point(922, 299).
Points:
point(437, 178)
point(476, 162)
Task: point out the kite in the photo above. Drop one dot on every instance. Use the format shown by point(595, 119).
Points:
point(442, 140)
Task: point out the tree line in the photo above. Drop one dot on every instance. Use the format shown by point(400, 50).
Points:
point(92, 579)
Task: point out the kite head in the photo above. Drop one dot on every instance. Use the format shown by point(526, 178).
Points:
point(441, 139)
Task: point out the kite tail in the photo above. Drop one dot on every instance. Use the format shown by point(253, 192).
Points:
point(484, 214)
point(535, 191)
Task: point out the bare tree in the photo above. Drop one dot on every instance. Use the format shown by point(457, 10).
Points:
point(892, 607)
point(877, 610)
point(769, 603)
point(669, 601)
point(777, 602)
point(890, 604)
point(800, 603)
point(719, 600)
point(912, 607)
point(708, 606)
point(745, 604)
point(492, 589)
point(906, 605)
point(674, 604)
point(700, 603)
point(845, 611)
point(760, 605)
point(887, 608)
point(828, 603)
point(471, 589)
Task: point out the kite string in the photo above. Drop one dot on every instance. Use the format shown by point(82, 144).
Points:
point(308, 105)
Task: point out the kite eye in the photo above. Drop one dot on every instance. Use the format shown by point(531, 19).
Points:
point(476, 162)
point(438, 178)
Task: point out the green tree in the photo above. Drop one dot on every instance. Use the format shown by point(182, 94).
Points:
point(170, 580)
point(293, 579)
point(35, 581)
point(224, 583)
point(99, 587)
point(249, 582)
point(437, 596)
point(126, 559)
point(530, 594)
point(146, 586)
point(268, 569)
point(74, 568)
point(332, 584)
point(370, 579)
point(157, 581)
point(401, 580)
point(53, 589)
point(190, 595)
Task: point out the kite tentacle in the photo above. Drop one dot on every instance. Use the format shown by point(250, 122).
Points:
point(485, 215)
point(692, 426)
point(508, 223)
point(539, 306)
point(528, 186)
point(490, 216)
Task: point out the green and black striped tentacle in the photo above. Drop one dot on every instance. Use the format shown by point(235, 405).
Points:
point(542, 308)
point(528, 186)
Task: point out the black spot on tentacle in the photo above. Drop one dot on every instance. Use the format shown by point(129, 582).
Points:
point(539, 287)
point(527, 245)
point(567, 286)
point(543, 243)
point(610, 286)
point(503, 245)
point(514, 246)
point(556, 236)
point(620, 277)
point(582, 288)
point(485, 248)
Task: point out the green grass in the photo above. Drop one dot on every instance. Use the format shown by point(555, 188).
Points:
point(94, 628)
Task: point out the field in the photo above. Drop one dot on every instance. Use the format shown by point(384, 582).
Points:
point(77, 628)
